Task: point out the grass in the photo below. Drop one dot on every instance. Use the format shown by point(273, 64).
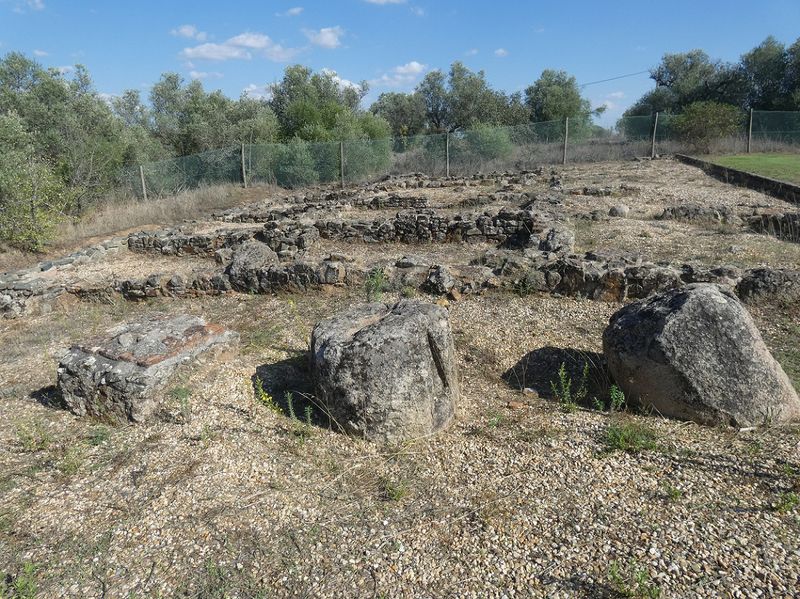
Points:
point(784, 167)
point(563, 391)
point(632, 581)
point(631, 437)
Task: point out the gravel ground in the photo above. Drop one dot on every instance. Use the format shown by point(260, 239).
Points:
point(222, 496)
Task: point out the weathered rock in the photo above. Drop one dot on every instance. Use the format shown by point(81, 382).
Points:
point(387, 373)
point(694, 353)
point(249, 260)
point(701, 214)
point(559, 240)
point(620, 210)
point(117, 377)
point(439, 281)
point(770, 283)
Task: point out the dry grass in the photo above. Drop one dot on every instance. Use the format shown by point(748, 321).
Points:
point(117, 215)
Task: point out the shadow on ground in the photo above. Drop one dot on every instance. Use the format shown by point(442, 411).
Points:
point(289, 384)
point(539, 370)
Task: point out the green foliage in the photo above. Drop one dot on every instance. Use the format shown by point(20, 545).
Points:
point(33, 436)
point(616, 399)
point(786, 502)
point(701, 123)
point(393, 490)
point(563, 391)
point(22, 586)
point(265, 398)
point(375, 284)
point(631, 437)
point(293, 165)
point(632, 581)
point(486, 143)
point(555, 96)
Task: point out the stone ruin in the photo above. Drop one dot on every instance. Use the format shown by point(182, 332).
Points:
point(117, 377)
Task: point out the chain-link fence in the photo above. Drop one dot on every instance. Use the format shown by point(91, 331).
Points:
point(483, 149)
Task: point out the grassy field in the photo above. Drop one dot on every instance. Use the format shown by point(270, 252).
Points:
point(784, 167)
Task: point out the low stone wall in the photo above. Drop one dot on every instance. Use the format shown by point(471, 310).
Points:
point(779, 189)
point(172, 242)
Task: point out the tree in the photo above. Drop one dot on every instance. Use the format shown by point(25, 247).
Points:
point(556, 96)
point(32, 197)
point(405, 113)
point(765, 68)
point(701, 123)
point(434, 96)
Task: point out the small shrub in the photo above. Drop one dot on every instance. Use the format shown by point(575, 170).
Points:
point(391, 490)
point(616, 399)
point(33, 436)
point(673, 493)
point(632, 581)
point(265, 398)
point(786, 502)
point(23, 586)
point(71, 462)
point(631, 437)
point(375, 284)
point(701, 123)
point(98, 435)
point(408, 291)
point(563, 391)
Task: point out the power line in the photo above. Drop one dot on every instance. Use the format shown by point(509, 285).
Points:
point(614, 78)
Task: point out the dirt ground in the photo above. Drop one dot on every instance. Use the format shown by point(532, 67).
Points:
point(222, 496)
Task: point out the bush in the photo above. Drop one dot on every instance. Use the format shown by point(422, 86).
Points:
point(702, 123)
point(488, 143)
point(294, 166)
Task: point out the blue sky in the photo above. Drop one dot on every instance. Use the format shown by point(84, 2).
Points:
point(245, 45)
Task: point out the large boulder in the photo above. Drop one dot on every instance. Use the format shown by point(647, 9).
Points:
point(117, 377)
point(694, 353)
point(249, 260)
point(387, 373)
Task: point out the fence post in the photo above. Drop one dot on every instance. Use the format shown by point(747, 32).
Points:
point(447, 154)
point(653, 142)
point(341, 162)
point(566, 138)
point(244, 170)
point(750, 131)
point(144, 187)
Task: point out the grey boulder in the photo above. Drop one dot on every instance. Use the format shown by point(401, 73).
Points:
point(387, 373)
point(694, 353)
point(249, 260)
point(117, 377)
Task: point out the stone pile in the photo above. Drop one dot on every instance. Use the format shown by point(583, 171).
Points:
point(784, 226)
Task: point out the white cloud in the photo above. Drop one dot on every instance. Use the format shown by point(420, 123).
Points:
point(616, 95)
point(241, 47)
point(342, 83)
point(259, 92)
point(401, 75)
point(539, 30)
point(385, 1)
point(292, 12)
point(65, 70)
point(471, 52)
point(35, 4)
point(327, 37)
point(190, 32)
point(41, 53)
point(107, 98)
point(204, 75)
point(410, 68)
point(215, 52)
point(501, 52)
point(256, 41)
point(418, 11)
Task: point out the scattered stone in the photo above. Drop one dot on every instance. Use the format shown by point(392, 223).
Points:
point(620, 210)
point(439, 281)
point(695, 354)
point(387, 373)
point(117, 377)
